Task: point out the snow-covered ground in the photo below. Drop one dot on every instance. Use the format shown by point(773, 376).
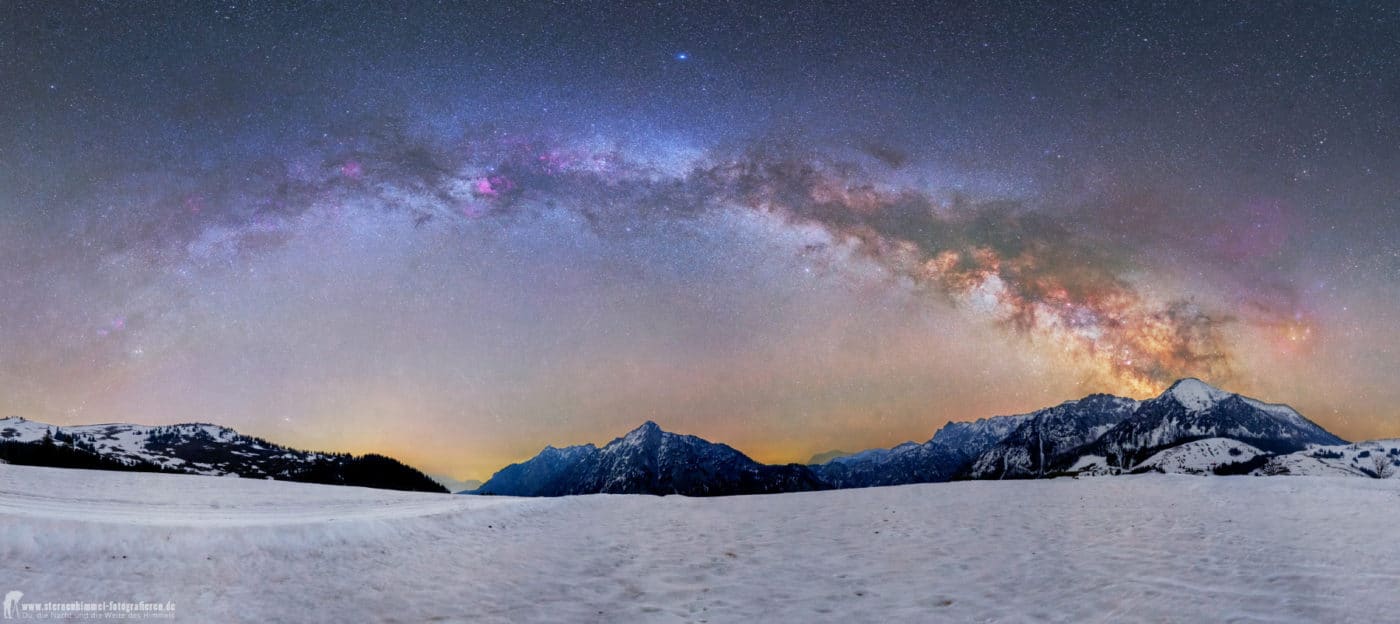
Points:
point(1201, 457)
point(1372, 458)
point(1152, 548)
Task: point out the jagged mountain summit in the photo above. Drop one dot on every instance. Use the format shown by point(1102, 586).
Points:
point(648, 460)
point(939, 459)
point(196, 448)
point(1193, 410)
point(1046, 436)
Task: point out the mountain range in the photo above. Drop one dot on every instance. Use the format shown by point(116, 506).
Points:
point(196, 448)
point(1192, 428)
point(939, 459)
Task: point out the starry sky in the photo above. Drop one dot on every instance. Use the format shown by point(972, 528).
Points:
point(457, 232)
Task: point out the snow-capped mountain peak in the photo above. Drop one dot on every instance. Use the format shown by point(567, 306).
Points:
point(1196, 395)
point(648, 460)
point(643, 432)
point(1193, 410)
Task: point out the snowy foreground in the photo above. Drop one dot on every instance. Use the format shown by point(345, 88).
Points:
point(1155, 548)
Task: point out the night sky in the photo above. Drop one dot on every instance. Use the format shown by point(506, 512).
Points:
point(456, 233)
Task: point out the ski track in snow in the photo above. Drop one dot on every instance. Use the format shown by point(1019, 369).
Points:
point(1149, 548)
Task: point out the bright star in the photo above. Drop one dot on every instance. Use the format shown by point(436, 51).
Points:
point(682, 56)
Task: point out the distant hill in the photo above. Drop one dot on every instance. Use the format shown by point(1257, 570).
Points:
point(197, 448)
point(822, 458)
point(461, 487)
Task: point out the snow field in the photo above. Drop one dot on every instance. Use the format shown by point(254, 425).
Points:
point(1150, 548)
